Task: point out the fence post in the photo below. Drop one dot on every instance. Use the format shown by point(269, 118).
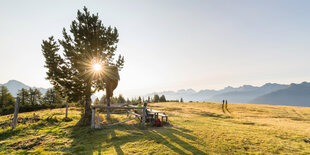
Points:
point(92, 118)
point(98, 120)
point(143, 116)
point(66, 109)
point(14, 122)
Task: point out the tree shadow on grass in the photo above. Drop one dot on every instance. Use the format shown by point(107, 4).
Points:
point(210, 114)
point(171, 134)
point(87, 141)
point(8, 133)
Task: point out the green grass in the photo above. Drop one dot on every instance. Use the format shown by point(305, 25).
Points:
point(195, 128)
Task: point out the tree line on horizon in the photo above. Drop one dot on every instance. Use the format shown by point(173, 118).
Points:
point(135, 100)
point(30, 100)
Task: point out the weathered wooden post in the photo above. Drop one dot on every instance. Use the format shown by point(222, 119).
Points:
point(143, 116)
point(108, 110)
point(66, 109)
point(92, 118)
point(14, 122)
point(98, 120)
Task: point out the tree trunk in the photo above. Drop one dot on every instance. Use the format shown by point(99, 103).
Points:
point(86, 118)
point(108, 110)
point(66, 109)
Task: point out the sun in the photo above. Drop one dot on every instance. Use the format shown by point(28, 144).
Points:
point(97, 67)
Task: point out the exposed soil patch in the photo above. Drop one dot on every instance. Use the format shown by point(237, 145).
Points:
point(28, 144)
point(28, 120)
point(4, 124)
point(20, 120)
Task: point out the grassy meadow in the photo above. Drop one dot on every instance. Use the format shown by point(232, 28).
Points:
point(195, 128)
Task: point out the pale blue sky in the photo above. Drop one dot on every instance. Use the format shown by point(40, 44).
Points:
point(170, 45)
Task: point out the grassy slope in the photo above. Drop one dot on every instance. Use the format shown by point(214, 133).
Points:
point(196, 128)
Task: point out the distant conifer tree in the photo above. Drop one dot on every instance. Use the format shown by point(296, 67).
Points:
point(23, 94)
point(162, 98)
point(52, 97)
point(6, 99)
point(148, 99)
point(35, 96)
point(139, 99)
point(156, 98)
point(121, 99)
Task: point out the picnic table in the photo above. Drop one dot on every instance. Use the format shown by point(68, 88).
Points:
point(156, 114)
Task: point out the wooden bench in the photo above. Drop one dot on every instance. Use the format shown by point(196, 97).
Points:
point(149, 117)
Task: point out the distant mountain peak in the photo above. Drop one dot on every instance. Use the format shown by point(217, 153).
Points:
point(14, 86)
point(247, 86)
point(191, 90)
point(228, 87)
point(14, 82)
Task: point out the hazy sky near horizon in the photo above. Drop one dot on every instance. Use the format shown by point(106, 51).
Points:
point(170, 45)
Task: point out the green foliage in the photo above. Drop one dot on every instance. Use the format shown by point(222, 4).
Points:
point(128, 101)
point(162, 98)
point(90, 42)
point(7, 101)
point(121, 99)
point(23, 95)
point(139, 99)
point(156, 98)
point(52, 97)
point(115, 100)
point(181, 100)
point(31, 100)
point(35, 96)
point(71, 71)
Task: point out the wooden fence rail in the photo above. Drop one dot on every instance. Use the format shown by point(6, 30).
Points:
point(93, 107)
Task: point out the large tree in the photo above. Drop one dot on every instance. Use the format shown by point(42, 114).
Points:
point(86, 63)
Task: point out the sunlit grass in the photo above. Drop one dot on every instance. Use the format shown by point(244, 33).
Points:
point(196, 128)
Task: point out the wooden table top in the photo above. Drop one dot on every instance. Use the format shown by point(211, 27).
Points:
point(153, 111)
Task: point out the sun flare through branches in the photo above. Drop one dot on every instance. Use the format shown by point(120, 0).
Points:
point(96, 67)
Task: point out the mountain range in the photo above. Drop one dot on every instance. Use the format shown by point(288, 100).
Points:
point(270, 93)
